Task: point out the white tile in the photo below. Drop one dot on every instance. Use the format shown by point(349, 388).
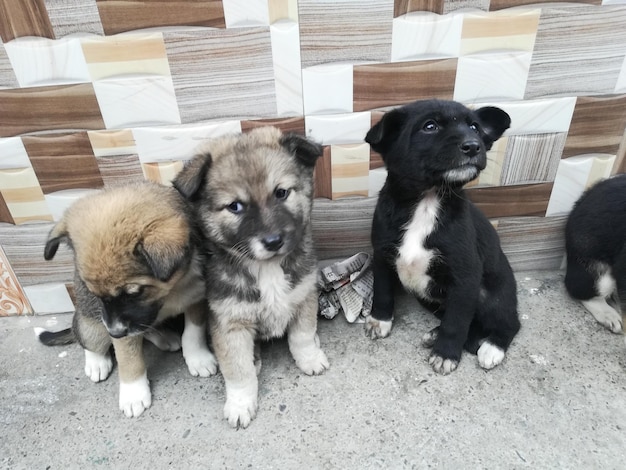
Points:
point(246, 13)
point(49, 298)
point(573, 176)
point(377, 179)
point(338, 128)
point(162, 144)
point(59, 201)
point(492, 76)
point(13, 154)
point(42, 61)
point(285, 37)
point(420, 35)
point(137, 101)
point(328, 89)
point(547, 116)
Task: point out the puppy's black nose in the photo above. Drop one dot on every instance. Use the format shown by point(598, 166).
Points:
point(118, 331)
point(272, 242)
point(470, 147)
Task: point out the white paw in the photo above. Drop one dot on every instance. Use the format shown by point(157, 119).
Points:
point(164, 339)
point(604, 313)
point(135, 397)
point(201, 362)
point(375, 329)
point(313, 363)
point(441, 365)
point(428, 340)
point(489, 355)
point(240, 408)
point(97, 366)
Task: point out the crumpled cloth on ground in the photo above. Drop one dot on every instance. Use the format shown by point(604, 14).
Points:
point(347, 286)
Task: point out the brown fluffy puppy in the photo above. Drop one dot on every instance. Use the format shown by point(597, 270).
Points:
point(253, 196)
point(136, 265)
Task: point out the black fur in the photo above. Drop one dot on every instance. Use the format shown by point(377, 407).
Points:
point(471, 287)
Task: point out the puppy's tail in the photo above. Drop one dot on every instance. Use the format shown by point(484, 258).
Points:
point(55, 338)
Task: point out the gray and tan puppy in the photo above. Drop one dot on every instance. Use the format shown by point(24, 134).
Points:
point(253, 197)
point(137, 264)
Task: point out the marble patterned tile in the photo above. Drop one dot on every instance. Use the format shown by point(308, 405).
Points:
point(597, 125)
point(162, 172)
point(137, 101)
point(246, 13)
point(139, 53)
point(13, 299)
point(574, 175)
point(532, 158)
point(128, 15)
point(163, 144)
point(73, 17)
point(412, 80)
point(285, 36)
point(422, 35)
point(107, 143)
point(49, 108)
point(377, 179)
point(24, 18)
point(588, 65)
point(222, 74)
point(327, 89)
point(41, 61)
point(338, 128)
point(48, 299)
point(510, 30)
point(283, 10)
point(620, 85)
point(23, 196)
point(13, 155)
point(59, 201)
point(500, 76)
point(350, 170)
point(345, 31)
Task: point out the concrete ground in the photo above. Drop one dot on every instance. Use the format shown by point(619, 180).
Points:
point(557, 401)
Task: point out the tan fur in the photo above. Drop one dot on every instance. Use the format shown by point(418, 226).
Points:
point(123, 240)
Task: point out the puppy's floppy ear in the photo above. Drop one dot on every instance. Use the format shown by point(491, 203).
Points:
point(385, 132)
point(306, 151)
point(494, 122)
point(57, 235)
point(192, 177)
point(164, 251)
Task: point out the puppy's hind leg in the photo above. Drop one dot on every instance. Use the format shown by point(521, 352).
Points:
point(135, 394)
point(303, 340)
point(200, 360)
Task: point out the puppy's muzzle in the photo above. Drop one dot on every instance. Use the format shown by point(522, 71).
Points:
point(470, 148)
point(273, 242)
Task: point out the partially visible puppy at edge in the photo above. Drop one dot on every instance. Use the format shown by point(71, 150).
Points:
point(137, 264)
point(595, 244)
point(253, 197)
point(428, 237)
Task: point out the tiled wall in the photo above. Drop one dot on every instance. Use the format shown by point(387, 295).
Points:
point(96, 93)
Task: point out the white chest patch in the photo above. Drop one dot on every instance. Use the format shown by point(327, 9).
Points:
point(413, 257)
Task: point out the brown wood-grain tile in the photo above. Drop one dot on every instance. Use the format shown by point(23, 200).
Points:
point(323, 175)
point(127, 15)
point(49, 108)
point(402, 7)
point(381, 85)
point(19, 18)
point(597, 125)
point(510, 201)
point(293, 124)
point(5, 213)
point(63, 161)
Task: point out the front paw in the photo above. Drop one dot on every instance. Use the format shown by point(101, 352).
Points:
point(313, 363)
point(201, 363)
point(442, 365)
point(489, 355)
point(240, 410)
point(375, 329)
point(135, 397)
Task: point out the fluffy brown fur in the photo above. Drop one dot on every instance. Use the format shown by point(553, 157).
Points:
point(253, 195)
point(136, 265)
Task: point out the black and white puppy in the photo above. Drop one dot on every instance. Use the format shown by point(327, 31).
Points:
point(428, 236)
point(595, 243)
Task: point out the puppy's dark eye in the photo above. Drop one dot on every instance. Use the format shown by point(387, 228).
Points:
point(475, 127)
point(236, 207)
point(430, 126)
point(282, 194)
